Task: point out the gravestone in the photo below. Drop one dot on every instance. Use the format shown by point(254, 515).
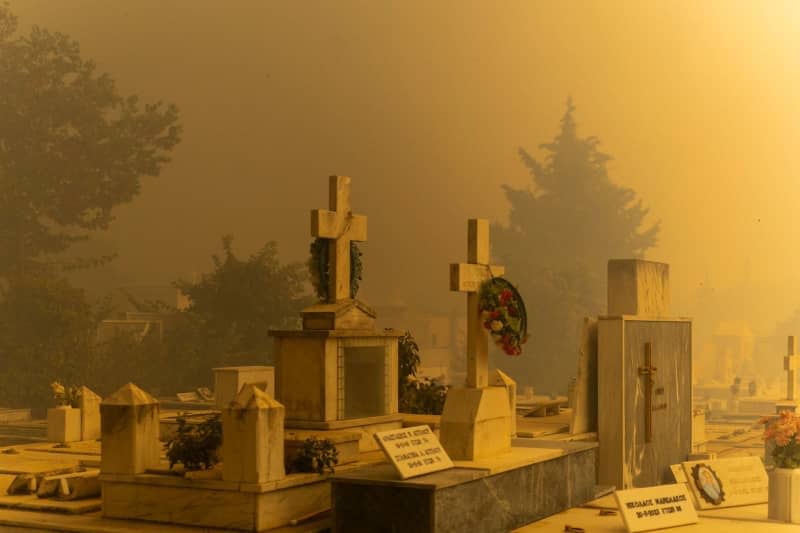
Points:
point(501, 379)
point(89, 404)
point(229, 380)
point(644, 393)
point(252, 437)
point(129, 424)
point(338, 371)
point(584, 408)
point(476, 420)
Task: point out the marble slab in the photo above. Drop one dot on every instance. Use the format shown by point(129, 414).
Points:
point(659, 507)
point(727, 482)
point(413, 451)
point(476, 500)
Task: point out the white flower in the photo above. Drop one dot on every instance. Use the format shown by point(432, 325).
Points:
point(496, 325)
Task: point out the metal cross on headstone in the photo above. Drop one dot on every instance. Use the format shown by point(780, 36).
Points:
point(648, 371)
point(791, 363)
point(340, 226)
point(467, 277)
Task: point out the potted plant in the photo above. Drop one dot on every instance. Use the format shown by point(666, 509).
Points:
point(64, 420)
point(782, 434)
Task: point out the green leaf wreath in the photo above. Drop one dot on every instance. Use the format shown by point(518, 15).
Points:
point(503, 314)
point(319, 269)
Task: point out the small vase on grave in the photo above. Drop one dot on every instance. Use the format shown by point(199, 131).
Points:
point(782, 436)
point(784, 495)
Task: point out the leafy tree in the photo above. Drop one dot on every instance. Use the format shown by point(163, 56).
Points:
point(231, 310)
point(237, 303)
point(45, 335)
point(71, 148)
point(560, 235)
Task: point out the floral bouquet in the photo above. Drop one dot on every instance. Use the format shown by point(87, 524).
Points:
point(784, 433)
point(503, 314)
point(65, 395)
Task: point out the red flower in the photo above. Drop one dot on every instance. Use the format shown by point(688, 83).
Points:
point(506, 296)
point(495, 314)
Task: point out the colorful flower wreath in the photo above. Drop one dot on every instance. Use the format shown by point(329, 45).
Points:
point(320, 272)
point(503, 314)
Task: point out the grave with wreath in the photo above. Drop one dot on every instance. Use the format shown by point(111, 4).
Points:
point(497, 483)
point(338, 372)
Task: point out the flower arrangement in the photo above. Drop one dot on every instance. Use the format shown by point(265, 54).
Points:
point(503, 314)
point(319, 270)
point(65, 395)
point(784, 432)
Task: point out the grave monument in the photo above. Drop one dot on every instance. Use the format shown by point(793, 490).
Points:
point(644, 371)
point(476, 421)
point(338, 372)
point(493, 486)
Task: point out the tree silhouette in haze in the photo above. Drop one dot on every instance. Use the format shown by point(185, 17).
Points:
point(71, 148)
point(560, 235)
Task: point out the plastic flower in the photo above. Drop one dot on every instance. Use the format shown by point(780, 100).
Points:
point(58, 388)
point(784, 432)
point(502, 312)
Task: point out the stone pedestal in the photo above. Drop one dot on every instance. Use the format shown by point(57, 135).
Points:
point(326, 377)
point(252, 438)
point(90, 414)
point(476, 423)
point(229, 380)
point(63, 424)
point(130, 429)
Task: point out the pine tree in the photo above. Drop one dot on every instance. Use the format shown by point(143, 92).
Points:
point(560, 235)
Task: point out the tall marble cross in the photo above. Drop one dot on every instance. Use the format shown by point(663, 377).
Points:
point(340, 226)
point(791, 363)
point(467, 277)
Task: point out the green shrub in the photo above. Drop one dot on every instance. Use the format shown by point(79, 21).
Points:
point(417, 395)
point(314, 455)
point(195, 445)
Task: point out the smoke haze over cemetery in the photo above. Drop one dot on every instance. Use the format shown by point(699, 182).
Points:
point(425, 104)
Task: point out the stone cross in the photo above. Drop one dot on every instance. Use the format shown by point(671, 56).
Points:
point(791, 363)
point(467, 277)
point(340, 226)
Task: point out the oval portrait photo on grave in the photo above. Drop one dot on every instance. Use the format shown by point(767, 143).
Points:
point(708, 483)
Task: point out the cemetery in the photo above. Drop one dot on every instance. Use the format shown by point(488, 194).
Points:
point(559, 293)
point(629, 450)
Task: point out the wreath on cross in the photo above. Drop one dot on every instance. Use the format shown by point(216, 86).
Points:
point(319, 268)
point(503, 313)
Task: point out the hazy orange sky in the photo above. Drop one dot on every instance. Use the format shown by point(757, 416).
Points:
point(425, 103)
